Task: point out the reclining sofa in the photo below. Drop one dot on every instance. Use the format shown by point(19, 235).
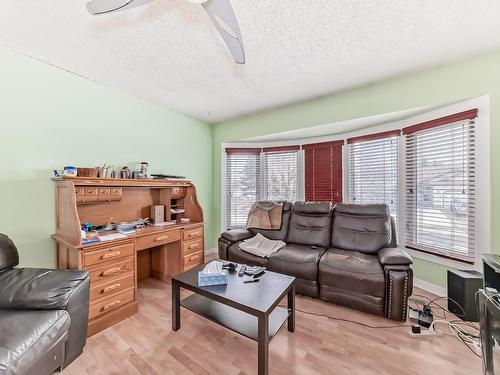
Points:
point(347, 255)
point(43, 315)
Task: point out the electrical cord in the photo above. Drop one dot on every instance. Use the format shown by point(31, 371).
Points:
point(347, 320)
point(459, 333)
point(433, 301)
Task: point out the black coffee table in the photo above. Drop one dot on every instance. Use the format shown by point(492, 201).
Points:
point(249, 309)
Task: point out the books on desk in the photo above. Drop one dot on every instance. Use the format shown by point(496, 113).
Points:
point(103, 238)
point(112, 236)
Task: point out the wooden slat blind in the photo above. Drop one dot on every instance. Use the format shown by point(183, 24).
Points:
point(441, 187)
point(281, 173)
point(243, 176)
point(374, 170)
point(323, 171)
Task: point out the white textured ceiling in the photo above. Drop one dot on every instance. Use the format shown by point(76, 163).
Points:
point(170, 53)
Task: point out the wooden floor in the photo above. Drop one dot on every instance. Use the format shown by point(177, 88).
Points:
point(145, 344)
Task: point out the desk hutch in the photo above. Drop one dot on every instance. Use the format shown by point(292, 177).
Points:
point(116, 266)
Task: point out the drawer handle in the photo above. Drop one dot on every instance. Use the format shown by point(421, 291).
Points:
point(111, 305)
point(195, 234)
point(111, 255)
point(111, 287)
point(194, 257)
point(161, 238)
point(111, 271)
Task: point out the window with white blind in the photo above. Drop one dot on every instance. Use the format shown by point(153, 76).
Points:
point(440, 186)
point(374, 170)
point(243, 182)
point(281, 173)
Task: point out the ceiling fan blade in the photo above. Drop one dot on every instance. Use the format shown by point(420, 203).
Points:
point(95, 7)
point(222, 15)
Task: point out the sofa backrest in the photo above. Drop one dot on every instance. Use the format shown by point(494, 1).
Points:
point(310, 224)
point(283, 231)
point(361, 227)
point(9, 257)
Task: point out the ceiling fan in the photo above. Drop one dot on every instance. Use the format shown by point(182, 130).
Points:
point(220, 12)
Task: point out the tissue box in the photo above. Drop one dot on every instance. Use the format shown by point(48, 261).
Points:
point(208, 279)
point(212, 274)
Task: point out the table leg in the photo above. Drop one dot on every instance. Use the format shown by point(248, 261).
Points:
point(176, 305)
point(291, 309)
point(263, 343)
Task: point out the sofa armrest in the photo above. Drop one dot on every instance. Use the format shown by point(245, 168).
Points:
point(394, 256)
point(398, 286)
point(235, 235)
point(43, 289)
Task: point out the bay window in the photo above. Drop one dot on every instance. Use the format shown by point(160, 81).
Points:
point(427, 177)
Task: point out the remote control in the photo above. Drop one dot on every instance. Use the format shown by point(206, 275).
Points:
point(259, 274)
point(242, 270)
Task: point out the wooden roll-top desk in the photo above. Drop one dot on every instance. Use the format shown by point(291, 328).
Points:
point(116, 266)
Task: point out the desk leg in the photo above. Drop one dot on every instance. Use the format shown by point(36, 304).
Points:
point(263, 343)
point(291, 309)
point(176, 305)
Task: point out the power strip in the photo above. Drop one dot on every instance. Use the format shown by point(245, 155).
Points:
point(427, 333)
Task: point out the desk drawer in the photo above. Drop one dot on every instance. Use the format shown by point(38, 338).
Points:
point(112, 287)
point(104, 194)
point(192, 246)
point(99, 256)
point(111, 271)
point(157, 239)
point(191, 234)
point(115, 193)
point(80, 194)
point(192, 260)
point(108, 304)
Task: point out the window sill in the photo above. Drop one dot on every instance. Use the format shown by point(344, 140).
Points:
point(476, 266)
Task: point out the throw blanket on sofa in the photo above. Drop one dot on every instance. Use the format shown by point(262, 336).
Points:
point(265, 215)
point(261, 246)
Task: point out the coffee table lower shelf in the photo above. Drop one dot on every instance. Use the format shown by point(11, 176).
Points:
point(233, 319)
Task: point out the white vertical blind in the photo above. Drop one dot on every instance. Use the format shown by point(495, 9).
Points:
point(281, 175)
point(374, 172)
point(243, 179)
point(440, 190)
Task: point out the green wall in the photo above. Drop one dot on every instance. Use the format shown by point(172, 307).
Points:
point(467, 79)
point(50, 118)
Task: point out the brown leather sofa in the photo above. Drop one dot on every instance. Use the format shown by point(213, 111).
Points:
point(43, 315)
point(347, 255)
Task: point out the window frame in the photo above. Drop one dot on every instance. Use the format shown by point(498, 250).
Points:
point(483, 172)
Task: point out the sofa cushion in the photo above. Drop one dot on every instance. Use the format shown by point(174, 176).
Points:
point(296, 260)
point(358, 227)
point(310, 224)
point(235, 254)
point(26, 336)
point(278, 234)
point(353, 271)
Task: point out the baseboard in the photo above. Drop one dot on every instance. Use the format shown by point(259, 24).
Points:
point(212, 250)
point(429, 287)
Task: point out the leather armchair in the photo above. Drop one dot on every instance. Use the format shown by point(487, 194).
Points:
point(43, 315)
